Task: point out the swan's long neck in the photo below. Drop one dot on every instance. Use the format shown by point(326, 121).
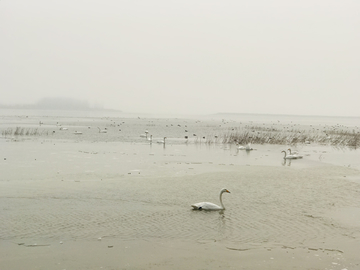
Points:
point(284, 154)
point(222, 205)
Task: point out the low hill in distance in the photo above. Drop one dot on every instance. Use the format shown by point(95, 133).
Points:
point(56, 104)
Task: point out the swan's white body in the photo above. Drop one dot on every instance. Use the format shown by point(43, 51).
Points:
point(162, 141)
point(247, 147)
point(295, 154)
point(290, 156)
point(209, 205)
point(144, 135)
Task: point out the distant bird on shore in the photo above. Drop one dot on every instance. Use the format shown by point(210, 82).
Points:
point(150, 139)
point(209, 205)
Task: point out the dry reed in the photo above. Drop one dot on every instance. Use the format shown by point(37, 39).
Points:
point(292, 137)
point(20, 131)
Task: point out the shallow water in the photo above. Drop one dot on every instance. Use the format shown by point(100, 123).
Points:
point(135, 191)
point(62, 187)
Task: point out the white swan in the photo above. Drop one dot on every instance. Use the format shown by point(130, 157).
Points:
point(102, 130)
point(290, 156)
point(144, 135)
point(162, 141)
point(296, 154)
point(209, 205)
point(247, 147)
point(240, 147)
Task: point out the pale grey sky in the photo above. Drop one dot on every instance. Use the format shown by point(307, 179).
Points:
point(187, 57)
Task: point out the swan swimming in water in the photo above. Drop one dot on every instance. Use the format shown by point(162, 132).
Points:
point(102, 130)
point(247, 147)
point(162, 141)
point(209, 205)
point(290, 156)
point(295, 154)
point(144, 135)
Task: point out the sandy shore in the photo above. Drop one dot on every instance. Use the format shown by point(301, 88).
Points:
point(93, 202)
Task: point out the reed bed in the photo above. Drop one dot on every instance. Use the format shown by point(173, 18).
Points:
point(293, 137)
point(284, 136)
point(20, 131)
point(281, 135)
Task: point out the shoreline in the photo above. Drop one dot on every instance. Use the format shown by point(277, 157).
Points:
point(160, 254)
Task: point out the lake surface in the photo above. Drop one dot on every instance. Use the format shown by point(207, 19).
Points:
point(117, 187)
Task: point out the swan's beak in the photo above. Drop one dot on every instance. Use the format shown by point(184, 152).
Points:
point(228, 191)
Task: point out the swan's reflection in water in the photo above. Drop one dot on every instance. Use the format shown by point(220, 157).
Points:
point(222, 224)
point(215, 225)
point(218, 229)
point(286, 162)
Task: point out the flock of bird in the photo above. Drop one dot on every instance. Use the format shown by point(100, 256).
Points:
point(149, 138)
point(212, 206)
point(206, 205)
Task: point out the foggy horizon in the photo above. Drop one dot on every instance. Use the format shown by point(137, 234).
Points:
point(63, 104)
point(167, 57)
